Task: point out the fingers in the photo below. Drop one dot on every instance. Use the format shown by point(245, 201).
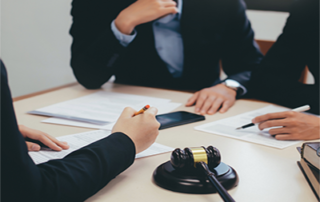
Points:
point(215, 106)
point(52, 145)
point(62, 145)
point(277, 115)
point(168, 10)
point(200, 101)
point(209, 102)
point(152, 110)
point(192, 100)
point(278, 131)
point(226, 105)
point(32, 146)
point(128, 112)
point(169, 3)
point(285, 137)
point(272, 123)
point(44, 138)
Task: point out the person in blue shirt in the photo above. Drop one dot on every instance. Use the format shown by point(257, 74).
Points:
point(167, 44)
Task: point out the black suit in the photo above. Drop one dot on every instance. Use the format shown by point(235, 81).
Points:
point(74, 178)
point(212, 30)
point(298, 46)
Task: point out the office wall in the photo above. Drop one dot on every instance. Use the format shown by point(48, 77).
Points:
point(35, 44)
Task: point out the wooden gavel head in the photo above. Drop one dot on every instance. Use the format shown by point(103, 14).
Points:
point(189, 157)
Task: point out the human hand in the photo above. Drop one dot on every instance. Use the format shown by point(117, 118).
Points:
point(294, 125)
point(209, 100)
point(143, 129)
point(46, 139)
point(143, 11)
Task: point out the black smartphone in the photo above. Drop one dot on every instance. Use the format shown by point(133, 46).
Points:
point(177, 118)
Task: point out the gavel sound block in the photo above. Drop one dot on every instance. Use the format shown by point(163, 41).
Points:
point(181, 175)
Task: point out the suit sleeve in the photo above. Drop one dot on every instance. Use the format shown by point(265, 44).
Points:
point(95, 50)
point(240, 53)
point(74, 178)
point(277, 80)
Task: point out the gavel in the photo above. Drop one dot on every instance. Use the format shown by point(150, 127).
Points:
point(201, 158)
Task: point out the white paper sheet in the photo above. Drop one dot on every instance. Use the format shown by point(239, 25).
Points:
point(227, 127)
point(76, 141)
point(100, 108)
point(162, 109)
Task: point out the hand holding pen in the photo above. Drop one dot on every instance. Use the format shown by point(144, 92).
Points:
point(141, 127)
point(293, 125)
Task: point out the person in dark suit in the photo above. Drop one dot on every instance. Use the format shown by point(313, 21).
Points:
point(277, 79)
point(165, 43)
point(80, 174)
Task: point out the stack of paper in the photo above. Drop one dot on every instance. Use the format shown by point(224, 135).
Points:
point(100, 109)
point(77, 141)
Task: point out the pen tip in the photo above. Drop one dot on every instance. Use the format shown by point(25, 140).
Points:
point(238, 128)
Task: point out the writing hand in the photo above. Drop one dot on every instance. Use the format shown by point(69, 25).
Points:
point(143, 129)
point(46, 139)
point(294, 125)
point(209, 100)
point(143, 11)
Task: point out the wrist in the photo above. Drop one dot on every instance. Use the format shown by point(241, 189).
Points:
point(233, 85)
point(124, 25)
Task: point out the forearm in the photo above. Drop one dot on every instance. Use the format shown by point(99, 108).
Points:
point(74, 178)
point(95, 50)
point(279, 90)
point(82, 173)
point(240, 53)
point(94, 62)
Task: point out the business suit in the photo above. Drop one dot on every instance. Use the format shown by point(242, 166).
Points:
point(212, 30)
point(73, 178)
point(298, 46)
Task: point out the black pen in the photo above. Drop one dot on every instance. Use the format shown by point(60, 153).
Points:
point(299, 109)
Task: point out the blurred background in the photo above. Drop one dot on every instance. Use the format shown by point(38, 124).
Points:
point(273, 5)
point(35, 40)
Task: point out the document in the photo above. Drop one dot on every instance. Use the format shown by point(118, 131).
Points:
point(98, 108)
point(227, 127)
point(162, 109)
point(77, 141)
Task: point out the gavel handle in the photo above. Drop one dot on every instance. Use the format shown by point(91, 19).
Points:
point(220, 189)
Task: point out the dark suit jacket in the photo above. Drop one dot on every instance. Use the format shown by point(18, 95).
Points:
point(212, 30)
point(298, 46)
point(74, 178)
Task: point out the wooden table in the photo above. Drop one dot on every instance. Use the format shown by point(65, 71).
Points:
point(266, 174)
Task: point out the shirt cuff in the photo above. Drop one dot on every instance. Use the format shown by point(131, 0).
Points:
point(244, 90)
point(124, 39)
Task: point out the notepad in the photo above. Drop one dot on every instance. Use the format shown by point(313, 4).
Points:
point(227, 127)
point(79, 140)
point(98, 108)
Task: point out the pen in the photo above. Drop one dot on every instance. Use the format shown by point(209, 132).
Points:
point(142, 110)
point(299, 109)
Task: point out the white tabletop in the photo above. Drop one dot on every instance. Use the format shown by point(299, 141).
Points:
point(265, 173)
